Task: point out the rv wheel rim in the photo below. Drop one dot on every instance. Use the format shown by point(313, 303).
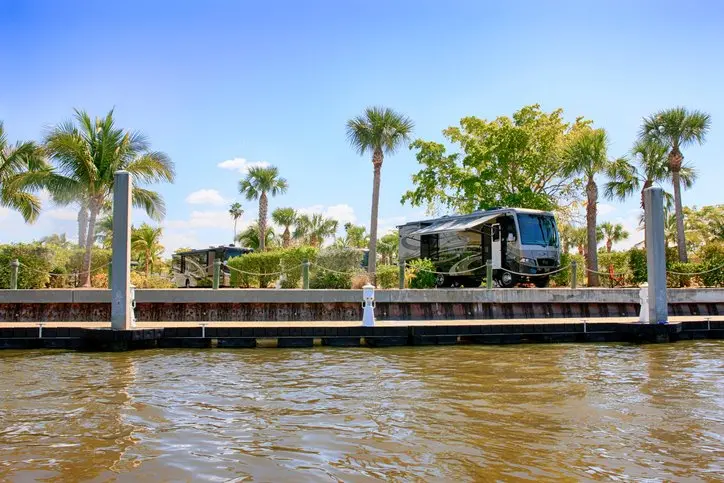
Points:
point(440, 280)
point(507, 278)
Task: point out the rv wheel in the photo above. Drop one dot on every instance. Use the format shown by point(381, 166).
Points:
point(540, 282)
point(507, 280)
point(440, 280)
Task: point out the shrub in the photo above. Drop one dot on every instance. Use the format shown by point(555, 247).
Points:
point(343, 263)
point(58, 278)
point(619, 260)
point(100, 258)
point(100, 280)
point(294, 257)
point(638, 266)
point(712, 257)
point(36, 264)
point(329, 280)
point(676, 280)
point(388, 276)
point(262, 269)
point(139, 280)
point(360, 279)
point(421, 273)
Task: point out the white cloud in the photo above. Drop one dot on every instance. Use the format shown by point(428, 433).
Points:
point(605, 209)
point(205, 197)
point(64, 214)
point(241, 165)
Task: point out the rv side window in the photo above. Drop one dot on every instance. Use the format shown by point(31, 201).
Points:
point(496, 232)
point(429, 245)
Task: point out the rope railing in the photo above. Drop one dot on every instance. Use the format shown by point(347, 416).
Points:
point(72, 274)
point(720, 267)
point(266, 274)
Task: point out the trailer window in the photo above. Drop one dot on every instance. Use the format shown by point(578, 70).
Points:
point(538, 230)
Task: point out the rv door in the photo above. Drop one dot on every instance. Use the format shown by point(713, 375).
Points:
point(495, 248)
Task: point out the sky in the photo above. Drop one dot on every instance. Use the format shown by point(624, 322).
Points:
point(220, 86)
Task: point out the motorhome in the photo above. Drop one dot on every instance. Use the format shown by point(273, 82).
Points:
point(195, 268)
point(522, 245)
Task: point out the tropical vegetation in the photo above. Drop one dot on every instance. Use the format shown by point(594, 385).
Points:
point(259, 183)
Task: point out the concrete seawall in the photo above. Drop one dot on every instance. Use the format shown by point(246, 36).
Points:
point(345, 305)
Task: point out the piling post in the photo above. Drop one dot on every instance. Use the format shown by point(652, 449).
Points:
point(574, 274)
point(656, 255)
point(14, 267)
point(489, 274)
point(305, 274)
point(121, 311)
point(217, 274)
point(402, 274)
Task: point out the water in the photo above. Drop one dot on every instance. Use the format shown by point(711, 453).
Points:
point(470, 413)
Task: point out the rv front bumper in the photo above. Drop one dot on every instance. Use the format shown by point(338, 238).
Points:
point(534, 269)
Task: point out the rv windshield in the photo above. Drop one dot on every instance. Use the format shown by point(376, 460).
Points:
point(538, 230)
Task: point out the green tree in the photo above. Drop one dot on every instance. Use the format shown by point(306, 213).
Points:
point(250, 237)
point(677, 128)
point(509, 161)
point(21, 171)
point(653, 170)
point(356, 236)
point(703, 225)
point(389, 245)
point(587, 156)
point(236, 213)
point(59, 240)
point(258, 184)
point(87, 153)
point(613, 233)
point(104, 232)
point(314, 229)
point(146, 243)
point(378, 131)
point(286, 218)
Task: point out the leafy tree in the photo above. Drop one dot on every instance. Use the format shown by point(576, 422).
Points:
point(60, 241)
point(509, 161)
point(704, 225)
point(146, 242)
point(87, 154)
point(260, 182)
point(652, 170)
point(286, 218)
point(236, 212)
point(314, 229)
point(356, 236)
point(379, 131)
point(21, 171)
point(587, 156)
point(677, 128)
point(250, 237)
point(613, 234)
point(389, 245)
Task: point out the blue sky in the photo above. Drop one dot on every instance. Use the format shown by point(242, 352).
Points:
point(275, 82)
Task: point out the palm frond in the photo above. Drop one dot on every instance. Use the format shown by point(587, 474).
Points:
point(150, 201)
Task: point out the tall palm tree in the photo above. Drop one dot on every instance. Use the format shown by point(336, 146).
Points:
point(21, 170)
point(356, 236)
point(146, 242)
point(389, 245)
point(677, 128)
point(613, 234)
point(258, 182)
point(87, 153)
point(236, 212)
point(579, 236)
point(652, 170)
point(587, 156)
point(381, 131)
point(315, 228)
point(104, 231)
point(250, 237)
point(286, 218)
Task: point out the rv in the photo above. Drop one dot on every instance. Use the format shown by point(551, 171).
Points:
point(522, 245)
point(195, 268)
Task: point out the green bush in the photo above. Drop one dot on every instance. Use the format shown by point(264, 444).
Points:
point(563, 278)
point(388, 276)
point(263, 269)
point(421, 275)
point(36, 263)
point(343, 262)
point(676, 280)
point(620, 262)
point(712, 257)
point(638, 267)
point(140, 280)
point(294, 257)
point(100, 258)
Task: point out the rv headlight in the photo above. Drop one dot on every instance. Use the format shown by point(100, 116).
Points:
point(528, 261)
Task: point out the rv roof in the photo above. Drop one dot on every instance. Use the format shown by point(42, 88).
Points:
point(477, 214)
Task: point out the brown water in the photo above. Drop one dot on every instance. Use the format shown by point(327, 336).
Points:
point(471, 413)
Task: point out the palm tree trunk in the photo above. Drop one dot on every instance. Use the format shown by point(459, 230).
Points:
point(82, 225)
point(263, 207)
point(647, 184)
point(377, 159)
point(148, 256)
point(235, 220)
point(591, 252)
point(286, 237)
point(609, 245)
point(94, 208)
point(680, 235)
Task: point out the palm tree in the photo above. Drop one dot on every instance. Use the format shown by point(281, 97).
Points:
point(55, 239)
point(587, 155)
point(652, 170)
point(356, 235)
point(236, 212)
point(285, 217)
point(379, 131)
point(250, 237)
point(677, 128)
point(146, 241)
point(613, 234)
point(21, 169)
point(104, 231)
point(388, 246)
point(315, 228)
point(87, 154)
point(258, 182)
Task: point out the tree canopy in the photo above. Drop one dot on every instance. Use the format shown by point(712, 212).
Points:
point(509, 161)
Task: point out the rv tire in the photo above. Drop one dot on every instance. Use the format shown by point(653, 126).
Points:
point(507, 279)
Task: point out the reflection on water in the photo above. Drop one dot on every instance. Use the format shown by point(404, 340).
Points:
point(470, 413)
